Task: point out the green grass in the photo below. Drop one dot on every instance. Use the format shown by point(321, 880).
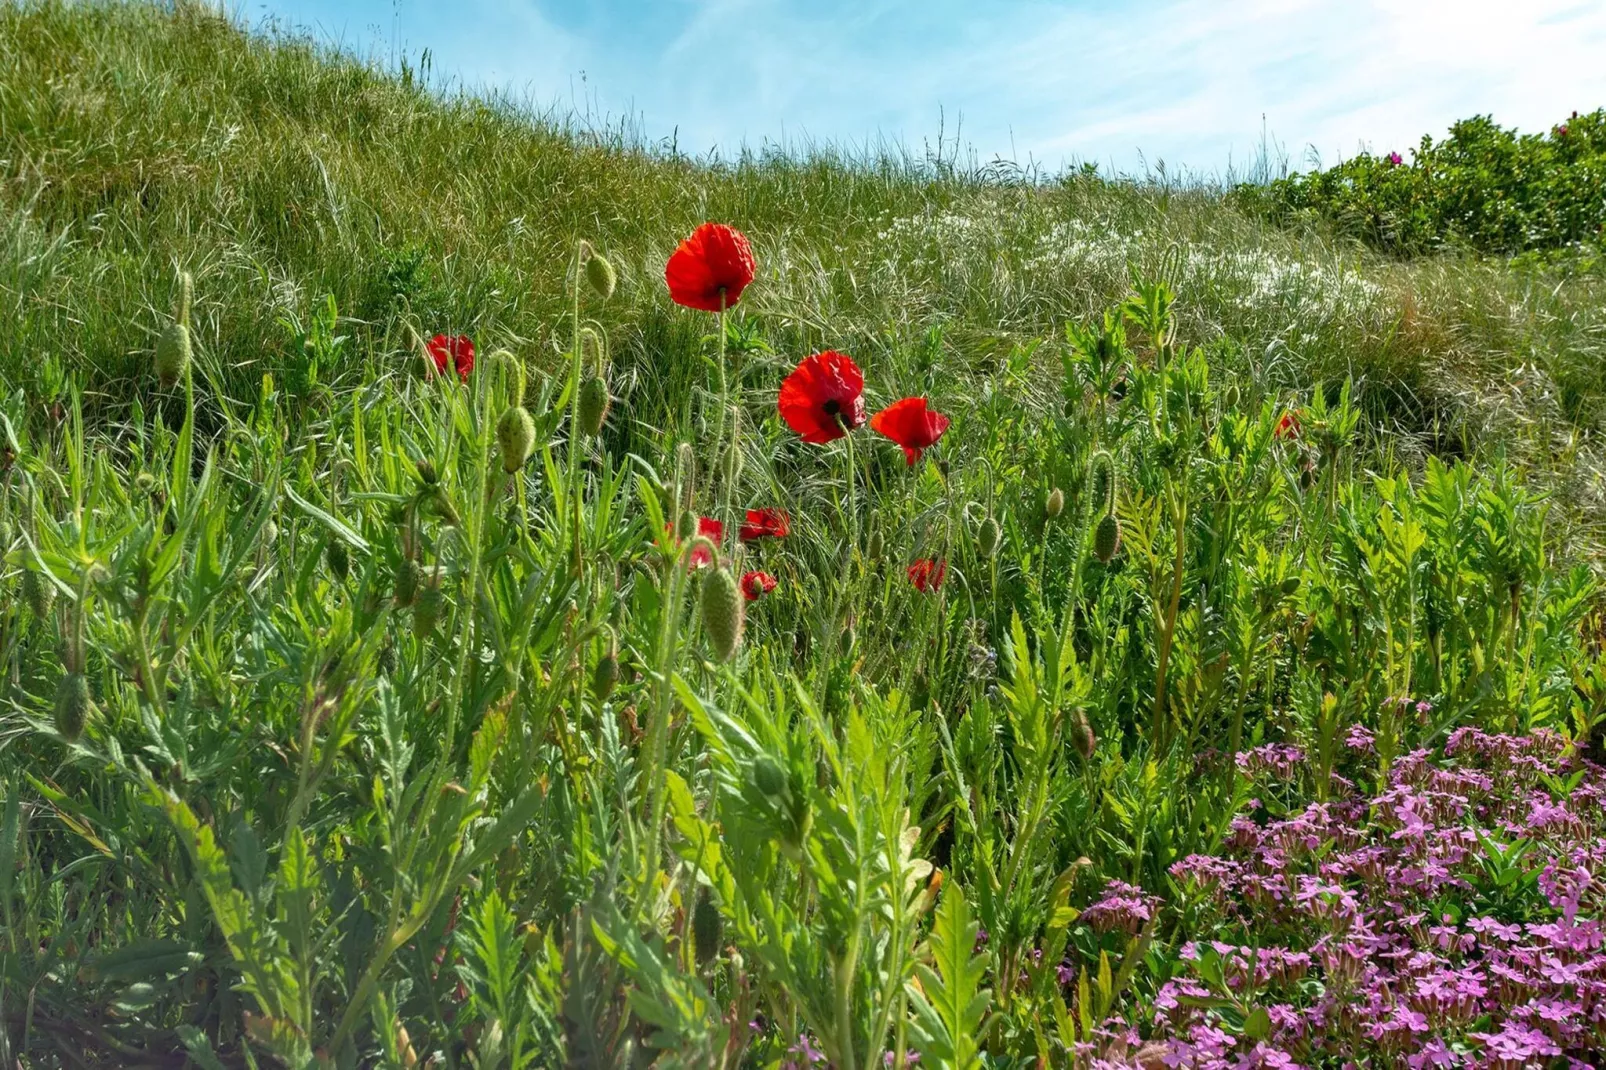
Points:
point(133, 141)
point(315, 812)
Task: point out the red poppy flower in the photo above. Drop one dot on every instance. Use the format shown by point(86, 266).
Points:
point(453, 349)
point(821, 400)
point(912, 424)
point(710, 529)
point(761, 522)
point(714, 265)
point(756, 585)
point(1288, 426)
point(927, 574)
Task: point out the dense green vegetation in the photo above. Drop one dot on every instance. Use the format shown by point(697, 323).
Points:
point(350, 718)
point(1484, 187)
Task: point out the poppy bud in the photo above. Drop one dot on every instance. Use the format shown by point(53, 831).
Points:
point(988, 536)
point(1055, 505)
point(724, 612)
point(426, 472)
point(39, 595)
point(173, 348)
point(600, 274)
point(687, 527)
point(876, 545)
point(1290, 585)
point(1103, 476)
point(404, 1048)
point(72, 706)
point(1107, 538)
point(731, 463)
point(270, 533)
point(145, 482)
point(338, 559)
point(686, 473)
point(1230, 397)
point(407, 581)
point(1082, 737)
point(606, 674)
point(515, 435)
point(705, 927)
point(594, 404)
point(427, 607)
point(768, 777)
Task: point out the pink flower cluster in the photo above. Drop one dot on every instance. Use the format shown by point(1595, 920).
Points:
point(1451, 920)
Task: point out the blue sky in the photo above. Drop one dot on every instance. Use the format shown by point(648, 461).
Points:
point(1190, 82)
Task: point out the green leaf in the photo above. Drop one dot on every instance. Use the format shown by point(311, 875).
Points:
point(949, 1004)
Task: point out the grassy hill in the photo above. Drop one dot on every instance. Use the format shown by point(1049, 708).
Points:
point(1212, 679)
point(134, 140)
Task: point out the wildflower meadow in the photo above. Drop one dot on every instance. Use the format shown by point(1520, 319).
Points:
point(748, 653)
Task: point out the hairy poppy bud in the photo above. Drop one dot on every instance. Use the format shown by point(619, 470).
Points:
point(1082, 737)
point(1055, 505)
point(72, 705)
point(705, 927)
point(1107, 538)
point(39, 595)
point(270, 533)
point(1230, 397)
point(988, 536)
point(687, 527)
point(427, 473)
point(145, 482)
point(1290, 585)
point(594, 404)
point(768, 777)
point(724, 612)
point(876, 545)
point(606, 674)
point(515, 436)
point(427, 608)
point(408, 578)
point(731, 463)
point(173, 348)
point(338, 559)
point(600, 274)
point(1103, 485)
point(686, 475)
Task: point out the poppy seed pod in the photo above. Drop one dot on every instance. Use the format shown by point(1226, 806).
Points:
point(1055, 505)
point(515, 437)
point(1107, 538)
point(601, 276)
point(39, 595)
point(724, 612)
point(173, 349)
point(338, 559)
point(706, 926)
point(988, 536)
point(594, 404)
point(72, 706)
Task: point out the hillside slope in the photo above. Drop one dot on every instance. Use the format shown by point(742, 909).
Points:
point(133, 140)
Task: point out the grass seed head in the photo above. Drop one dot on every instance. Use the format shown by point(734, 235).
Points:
point(515, 437)
point(724, 612)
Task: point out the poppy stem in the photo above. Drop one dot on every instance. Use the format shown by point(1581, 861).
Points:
point(576, 373)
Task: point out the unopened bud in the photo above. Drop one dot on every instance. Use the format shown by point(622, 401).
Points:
point(706, 926)
point(988, 537)
point(724, 611)
point(600, 274)
point(72, 706)
point(1055, 505)
point(515, 437)
point(594, 404)
point(339, 559)
point(1107, 538)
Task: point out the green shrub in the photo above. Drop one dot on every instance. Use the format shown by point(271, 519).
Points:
point(1484, 187)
